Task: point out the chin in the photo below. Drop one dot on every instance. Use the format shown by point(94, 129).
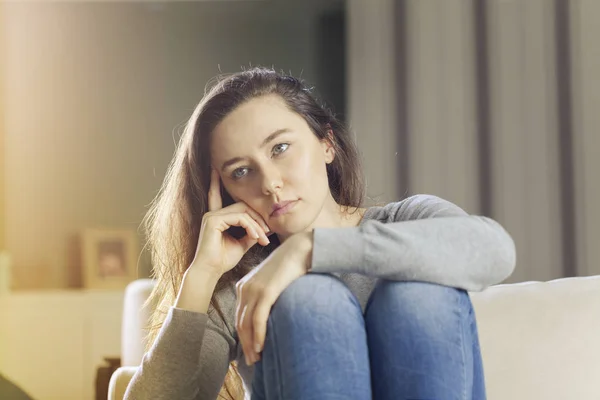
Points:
point(292, 228)
point(285, 231)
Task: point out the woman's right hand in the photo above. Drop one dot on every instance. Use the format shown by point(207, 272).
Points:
point(217, 250)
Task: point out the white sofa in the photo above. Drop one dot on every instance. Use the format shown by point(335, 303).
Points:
point(539, 340)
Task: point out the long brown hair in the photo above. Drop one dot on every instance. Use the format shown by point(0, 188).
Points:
point(173, 221)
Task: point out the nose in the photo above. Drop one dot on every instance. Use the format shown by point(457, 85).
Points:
point(271, 181)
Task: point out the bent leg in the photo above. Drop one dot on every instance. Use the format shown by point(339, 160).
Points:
point(316, 345)
point(423, 343)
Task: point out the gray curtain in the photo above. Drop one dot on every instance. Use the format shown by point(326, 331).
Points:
point(492, 108)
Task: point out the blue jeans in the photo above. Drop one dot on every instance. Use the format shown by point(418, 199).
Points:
point(415, 341)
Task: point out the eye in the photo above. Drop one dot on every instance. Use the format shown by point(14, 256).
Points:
point(236, 173)
point(280, 146)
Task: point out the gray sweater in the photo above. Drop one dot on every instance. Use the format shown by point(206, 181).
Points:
point(421, 238)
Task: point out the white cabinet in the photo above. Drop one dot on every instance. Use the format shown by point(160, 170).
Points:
point(52, 342)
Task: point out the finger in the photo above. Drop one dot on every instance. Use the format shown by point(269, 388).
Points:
point(259, 323)
point(245, 208)
point(244, 321)
point(215, 202)
point(258, 218)
point(240, 311)
point(258, 234)
point(248, 241)
point(226, 221)
point(263, 239)
point(252, 228)
point(244, 331)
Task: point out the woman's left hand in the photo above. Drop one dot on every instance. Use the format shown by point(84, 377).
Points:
point(260, 288)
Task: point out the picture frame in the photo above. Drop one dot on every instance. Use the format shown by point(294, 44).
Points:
point(109, 258)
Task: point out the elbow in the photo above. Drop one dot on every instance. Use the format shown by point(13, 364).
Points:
point(504, 254)
point(507, 260)
point(512, 262)
point(498, 255)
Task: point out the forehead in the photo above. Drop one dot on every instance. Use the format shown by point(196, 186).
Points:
point(247, 125)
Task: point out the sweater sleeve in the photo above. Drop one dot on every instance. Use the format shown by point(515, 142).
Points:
point(188, 360)
point(422, 238)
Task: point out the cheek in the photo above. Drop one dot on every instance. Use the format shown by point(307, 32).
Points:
point(245, 192)
point(236, 192)
point(231, 193)
point(306, 166)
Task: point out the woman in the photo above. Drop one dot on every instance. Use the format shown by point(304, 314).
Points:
point(269, 267)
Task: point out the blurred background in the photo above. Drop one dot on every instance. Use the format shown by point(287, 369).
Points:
point(491, 104)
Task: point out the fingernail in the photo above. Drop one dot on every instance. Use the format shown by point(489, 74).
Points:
point(247, 360)
point(257, 348)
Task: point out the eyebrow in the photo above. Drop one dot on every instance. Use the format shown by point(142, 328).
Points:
point(265, 142)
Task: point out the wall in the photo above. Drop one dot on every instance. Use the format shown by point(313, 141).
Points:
point(94, 95)
point(2, 130)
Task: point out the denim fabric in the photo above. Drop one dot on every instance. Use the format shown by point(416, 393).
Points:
point(414, 341)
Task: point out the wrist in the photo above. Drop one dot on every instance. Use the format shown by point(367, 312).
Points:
point(203, 274)
point(196, 289)
point(304, 245)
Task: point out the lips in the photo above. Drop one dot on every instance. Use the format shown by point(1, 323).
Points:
point(282, 208)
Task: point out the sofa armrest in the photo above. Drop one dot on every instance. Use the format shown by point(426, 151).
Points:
point(119, 381)
point(135, 321)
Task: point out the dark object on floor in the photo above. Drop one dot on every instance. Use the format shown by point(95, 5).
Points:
point(10, 391)
point(103, 375)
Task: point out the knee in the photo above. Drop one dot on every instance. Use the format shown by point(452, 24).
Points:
point(419, 306)
point(314, 294)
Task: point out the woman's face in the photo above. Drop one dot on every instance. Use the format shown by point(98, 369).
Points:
point(267, 154)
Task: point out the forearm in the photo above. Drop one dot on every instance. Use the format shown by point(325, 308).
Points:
point(177, 366)
point(465, 252)
point(196, 290)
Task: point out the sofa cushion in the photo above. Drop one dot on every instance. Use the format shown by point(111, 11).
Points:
point(541, 340)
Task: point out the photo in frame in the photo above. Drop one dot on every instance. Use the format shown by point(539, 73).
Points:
point(109, 258)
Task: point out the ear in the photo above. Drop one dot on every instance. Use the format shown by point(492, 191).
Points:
point(327, 146)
